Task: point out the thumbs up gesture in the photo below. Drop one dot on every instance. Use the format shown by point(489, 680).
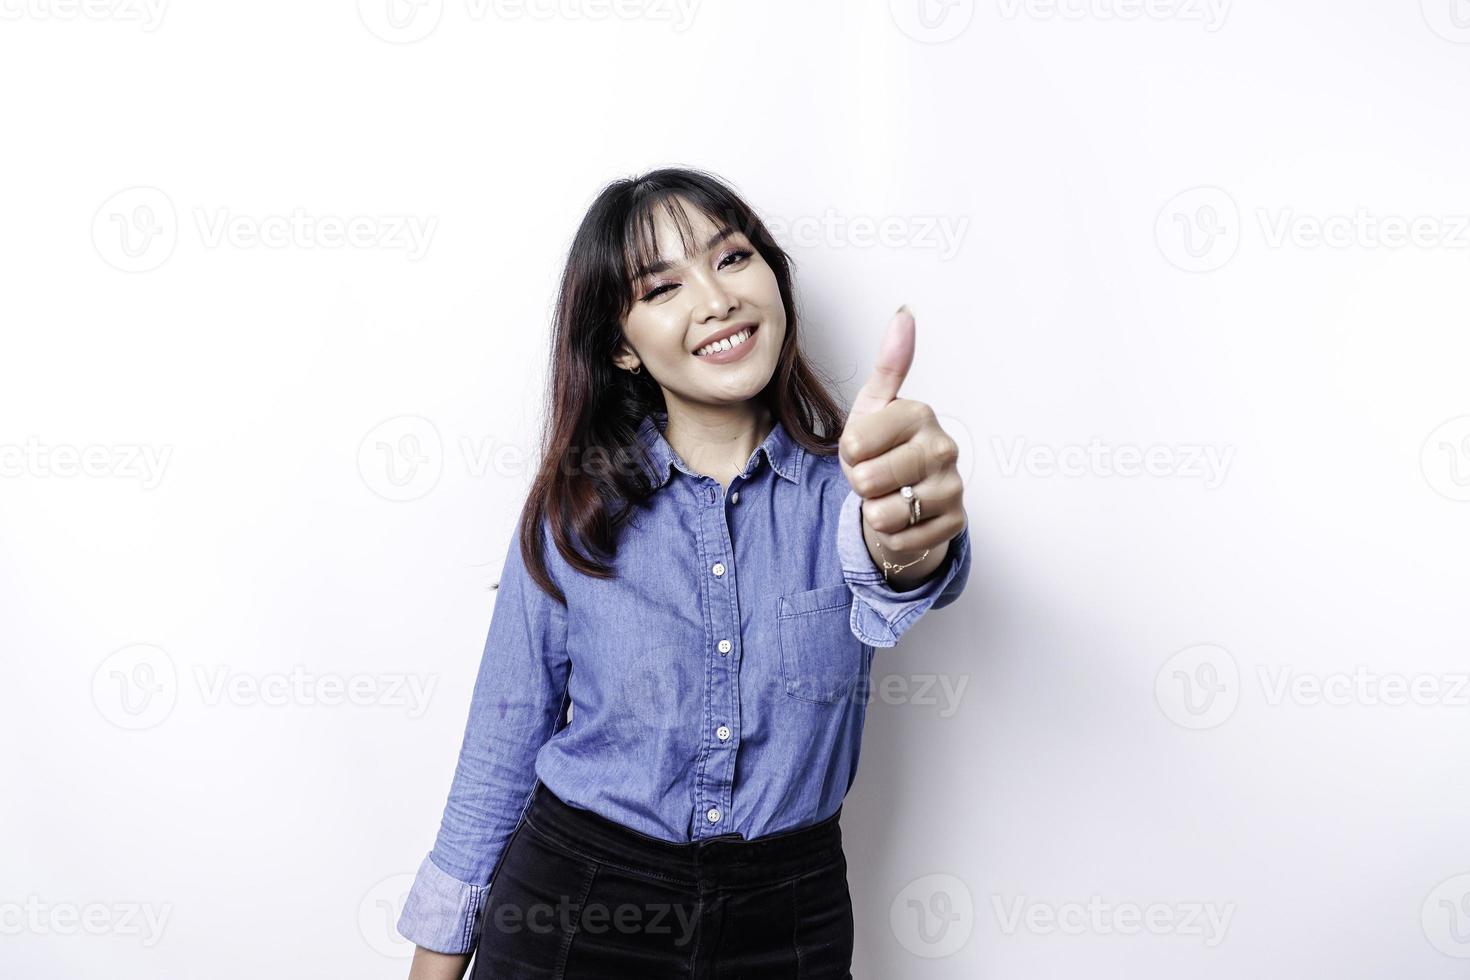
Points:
point(890, 442)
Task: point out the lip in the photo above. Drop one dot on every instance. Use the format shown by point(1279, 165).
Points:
point(734, 353)
point(727, 332)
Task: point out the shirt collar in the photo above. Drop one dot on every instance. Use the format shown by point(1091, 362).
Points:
point(783, 452)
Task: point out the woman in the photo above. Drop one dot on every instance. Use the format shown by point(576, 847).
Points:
point(670, 704)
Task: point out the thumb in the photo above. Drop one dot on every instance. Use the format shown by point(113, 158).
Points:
point(895, 355)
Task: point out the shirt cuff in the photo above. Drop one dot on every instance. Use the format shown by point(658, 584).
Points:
point(442, 913)
point(880, 614)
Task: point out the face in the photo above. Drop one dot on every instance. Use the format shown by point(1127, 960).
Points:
point(680, 308)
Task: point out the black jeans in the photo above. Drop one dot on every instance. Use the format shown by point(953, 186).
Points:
point(579, 897)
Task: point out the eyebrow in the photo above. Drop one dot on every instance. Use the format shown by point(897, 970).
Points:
point(658, 267)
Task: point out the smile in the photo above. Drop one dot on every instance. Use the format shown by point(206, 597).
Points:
point(728, 349)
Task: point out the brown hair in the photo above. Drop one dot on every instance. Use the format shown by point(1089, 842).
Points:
point(596, 407)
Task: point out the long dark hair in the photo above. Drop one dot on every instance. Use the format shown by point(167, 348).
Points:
point(593, 469)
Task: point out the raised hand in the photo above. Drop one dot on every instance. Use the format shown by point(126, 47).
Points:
point(890, 442)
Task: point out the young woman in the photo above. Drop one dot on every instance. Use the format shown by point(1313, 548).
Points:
point(669, 709)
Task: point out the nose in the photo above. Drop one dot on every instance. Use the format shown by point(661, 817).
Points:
point(714, 301)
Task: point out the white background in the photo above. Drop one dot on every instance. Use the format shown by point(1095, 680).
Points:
point(1176, 230)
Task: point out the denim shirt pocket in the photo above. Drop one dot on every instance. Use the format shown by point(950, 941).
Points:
point(821, 660)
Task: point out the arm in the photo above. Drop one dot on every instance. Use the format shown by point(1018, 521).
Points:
point(517, 704)
point(881, 613)
point(913, 575)
point(429, 965)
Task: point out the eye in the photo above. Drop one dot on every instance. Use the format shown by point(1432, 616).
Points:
point(730, 258)
point(657, 292)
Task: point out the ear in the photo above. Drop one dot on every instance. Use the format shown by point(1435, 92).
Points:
point(625, 358)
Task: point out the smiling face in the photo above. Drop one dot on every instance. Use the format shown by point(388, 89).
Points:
point(683, 303)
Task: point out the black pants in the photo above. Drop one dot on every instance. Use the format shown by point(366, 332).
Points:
point(579, 897)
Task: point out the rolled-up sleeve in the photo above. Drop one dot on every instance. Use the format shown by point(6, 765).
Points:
point(517, 704)
point(881, 615)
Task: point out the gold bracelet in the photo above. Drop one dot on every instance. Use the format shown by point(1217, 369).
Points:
point(889, 566)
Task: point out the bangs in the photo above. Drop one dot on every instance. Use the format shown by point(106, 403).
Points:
point(640, 245)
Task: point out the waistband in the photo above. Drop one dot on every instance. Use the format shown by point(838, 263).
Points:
point(725, 860)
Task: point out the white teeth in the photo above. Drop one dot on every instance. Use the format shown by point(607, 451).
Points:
point(725, 344)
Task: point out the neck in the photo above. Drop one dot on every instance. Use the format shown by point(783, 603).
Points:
point(717, 440)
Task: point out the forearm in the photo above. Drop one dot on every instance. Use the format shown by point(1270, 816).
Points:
point(914, 575)
point(429, 965)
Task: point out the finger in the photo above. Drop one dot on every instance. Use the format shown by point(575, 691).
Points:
point(941, 499)
point(906, 464)
point(873, 435)
point(895, 356)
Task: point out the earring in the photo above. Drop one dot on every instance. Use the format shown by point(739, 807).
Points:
point(636, 368)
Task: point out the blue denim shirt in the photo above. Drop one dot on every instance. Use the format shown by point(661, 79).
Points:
point(717, 685)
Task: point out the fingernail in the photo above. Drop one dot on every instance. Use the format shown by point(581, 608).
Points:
point(903, 308)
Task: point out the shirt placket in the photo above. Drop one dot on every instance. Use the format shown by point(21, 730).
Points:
point(714, 784)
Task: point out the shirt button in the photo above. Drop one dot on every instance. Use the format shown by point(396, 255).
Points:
point(724, 647)
point(713, 814)
point(723, 732)
point(735, 497)
point(718, 569)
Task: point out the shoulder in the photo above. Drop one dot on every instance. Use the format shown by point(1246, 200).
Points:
point(824, 477)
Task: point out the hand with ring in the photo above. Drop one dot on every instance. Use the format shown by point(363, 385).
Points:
point(901, 462)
